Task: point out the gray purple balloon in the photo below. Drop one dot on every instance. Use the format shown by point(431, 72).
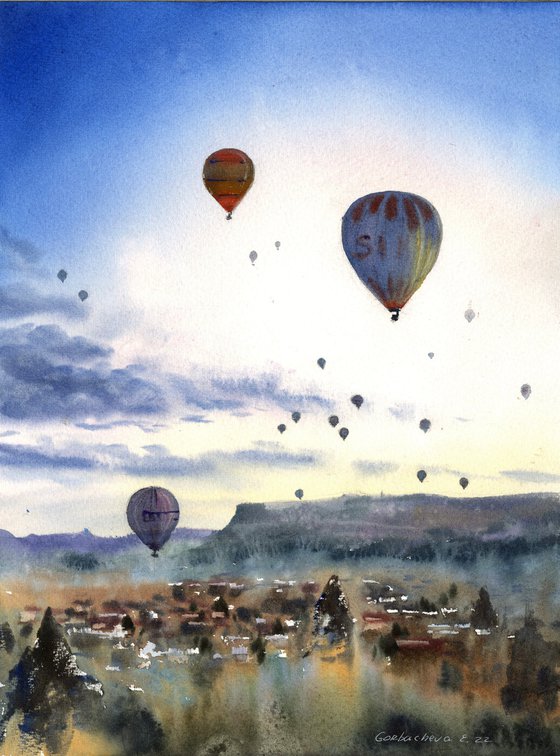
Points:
point(153, 514)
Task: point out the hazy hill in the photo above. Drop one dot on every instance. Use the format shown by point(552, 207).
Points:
point(83, 551)
point(416, 526)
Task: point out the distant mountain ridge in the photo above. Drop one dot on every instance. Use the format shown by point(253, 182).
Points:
point(388, 526)
point(88, 542)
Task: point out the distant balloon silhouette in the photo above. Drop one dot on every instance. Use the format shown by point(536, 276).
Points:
point(321, 362)
point(463, 482)
point(281, 427)
point(62, 274)
point(469, 315)
point(425, 425)
point(392, 241)
point(296, 417)
point(333, 420)
point(277, 245)
point(299, 494)
point(357, 400)
point(525, 391)
point(228, 175)
point(431, 355)
point(421, 475)
point(83, 295)
point(343, 433)
point(153, 514)
point(253, 256)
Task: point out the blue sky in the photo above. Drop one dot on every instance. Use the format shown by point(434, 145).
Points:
point(184, 358)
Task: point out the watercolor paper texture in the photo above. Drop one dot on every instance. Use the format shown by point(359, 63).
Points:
point(356, 520)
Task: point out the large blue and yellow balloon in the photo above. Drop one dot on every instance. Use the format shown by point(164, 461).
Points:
point(392, 241)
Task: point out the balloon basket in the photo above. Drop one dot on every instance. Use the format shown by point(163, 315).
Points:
point(155, 554)
point(228, 216)
point(395, 315)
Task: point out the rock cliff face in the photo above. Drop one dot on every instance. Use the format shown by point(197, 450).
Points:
point(331, 617)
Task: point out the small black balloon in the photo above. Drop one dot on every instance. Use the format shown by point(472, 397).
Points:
point(83, 295)
point(431, 355)
point(463, 482)
point(62, 275)
point(425, 425)
point(333, 420)
point(470, 315)
point(421, 475)
point(357, 400)
point(321, 362)
point(281, 427)
point(343, 433)
point(299, 494)
point(296, 416)
point(525, 391)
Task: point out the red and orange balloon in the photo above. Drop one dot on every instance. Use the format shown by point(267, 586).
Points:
point(228, 175)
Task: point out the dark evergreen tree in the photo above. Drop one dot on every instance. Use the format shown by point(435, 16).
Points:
point(331, 616)
point(484, 616)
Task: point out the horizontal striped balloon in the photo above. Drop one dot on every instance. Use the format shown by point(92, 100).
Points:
point(153, 514)
point(228, 175)
point(392, 241)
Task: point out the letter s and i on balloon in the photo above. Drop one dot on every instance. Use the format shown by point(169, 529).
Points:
point(392, 240)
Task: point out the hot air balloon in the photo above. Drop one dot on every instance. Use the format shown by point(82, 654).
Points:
point(343, 433)
point(357, 400)
point(281, 427)
point(62, 275)
point(425, 424)
point(153, 514)
point(525, 391)
point(83, 295)
point(333, 420)
point(299, 494)
point(470, 315)
point(463, 482)
point(296, 416)
point(228, 174)
point(431, 355)
point(321, 362)
point(277, 245)
point(392, 241)
point(421, 475)
point(253, 256)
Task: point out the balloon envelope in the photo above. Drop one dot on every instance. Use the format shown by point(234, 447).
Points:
point(357, 400)
point(296, 417)
point(333, 420)
point(277, 245)
point(463, 482)
point(425, 425)
point(153, 514)
point(63, 275)
point(343, 433)
point(525, 391)
point(299, 494)
point(421, 475)
point(83, 295)
point(281, 427)
point(470, 315)
point(431, 355)
point(228, 175)
point(321, 362)
point(392, 241)
point(253, 256)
